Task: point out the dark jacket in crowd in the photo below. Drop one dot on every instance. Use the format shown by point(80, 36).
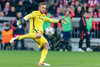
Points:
point(21, 9)
point(52, 9)
point(2, 4)
point(11, 14)
point(77, 14)
point(83, 10)
point(18, 30)
point(13, 2)
point(30, 6)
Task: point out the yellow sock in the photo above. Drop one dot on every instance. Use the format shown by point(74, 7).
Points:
point(43, 55)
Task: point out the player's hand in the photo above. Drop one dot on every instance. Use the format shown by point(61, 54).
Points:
point(64, 21)
point(20, 22)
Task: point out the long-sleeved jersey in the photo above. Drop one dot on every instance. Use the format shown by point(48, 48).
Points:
point(37, 19)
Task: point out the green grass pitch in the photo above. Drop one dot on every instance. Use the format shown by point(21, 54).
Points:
point(55, 58)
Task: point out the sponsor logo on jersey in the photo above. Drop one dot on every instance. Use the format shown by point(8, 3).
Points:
point(41, 19)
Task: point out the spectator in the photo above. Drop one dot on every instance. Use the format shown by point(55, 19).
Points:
point(91, 11)
point(92, 3)
point(66, 29)
point(21, 8)
point(1, 14)
point(95, 15)
point(95, 9)
point(29, 6)
point(60, 3)
point(36, 4)
point(63, 9)
point(2, 3)
point(18, 30)
point(72, 8)
point(77, 3)
point(71, 2)
point(99, 12)
point(6, 9)
point(7, 35)
point(96, 24)
point(82, 1)
point(78, 12)
point(13, 3)
point(85, 7)
point(52, 9)
point(12, 12)
point(0, 8)
point(41, 1)
point(85, 29)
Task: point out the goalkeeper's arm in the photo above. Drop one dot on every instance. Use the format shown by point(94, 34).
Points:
point(56, 21)
point(22, 21)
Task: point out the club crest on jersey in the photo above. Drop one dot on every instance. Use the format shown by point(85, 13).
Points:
point(41, 19)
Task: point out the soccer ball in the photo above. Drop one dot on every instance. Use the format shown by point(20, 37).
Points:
point(49, 31)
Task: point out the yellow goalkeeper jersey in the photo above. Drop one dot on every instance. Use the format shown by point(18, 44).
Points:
point(37, 19)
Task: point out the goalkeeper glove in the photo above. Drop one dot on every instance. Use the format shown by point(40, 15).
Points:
point(64, 21)
point(21, 22)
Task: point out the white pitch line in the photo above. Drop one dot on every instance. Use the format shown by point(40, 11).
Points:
point(62, 66)
point(98, 65)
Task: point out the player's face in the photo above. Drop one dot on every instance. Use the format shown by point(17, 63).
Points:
point(88, 14)
point(67, 13)
point(42, 9)
point(19, 15)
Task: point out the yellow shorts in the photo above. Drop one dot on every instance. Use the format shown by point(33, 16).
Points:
point(40, 41)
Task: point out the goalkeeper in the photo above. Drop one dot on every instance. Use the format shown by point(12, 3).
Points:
point(37, 18)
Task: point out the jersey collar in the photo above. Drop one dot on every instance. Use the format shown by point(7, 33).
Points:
point(39, 12)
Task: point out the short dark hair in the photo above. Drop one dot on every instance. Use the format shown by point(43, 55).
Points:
point(19, 12)
point(88, 12)
point(84, 12)
point(42, 3)
point(83, 2)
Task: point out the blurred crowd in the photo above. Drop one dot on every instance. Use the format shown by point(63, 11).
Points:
point(60, 8)
point(78, 6)
point(9, 7)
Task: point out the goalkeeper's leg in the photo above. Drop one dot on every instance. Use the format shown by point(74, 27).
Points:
point(30, 35)
point(43, 43)
point(43, 55)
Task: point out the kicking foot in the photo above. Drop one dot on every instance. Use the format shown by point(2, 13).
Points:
point(44, 64)
point(13, 39)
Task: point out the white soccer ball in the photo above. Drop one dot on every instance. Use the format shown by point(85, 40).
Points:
point(49, 31)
